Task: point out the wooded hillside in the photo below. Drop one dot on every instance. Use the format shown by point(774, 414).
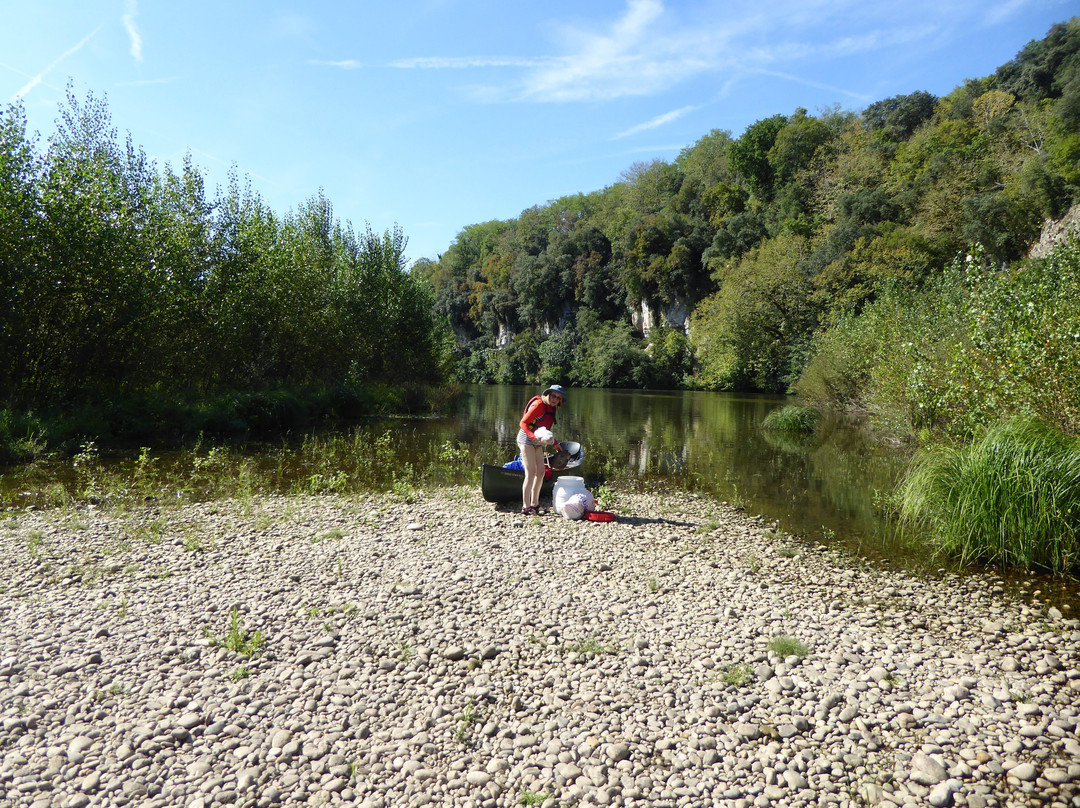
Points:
point(726, 268)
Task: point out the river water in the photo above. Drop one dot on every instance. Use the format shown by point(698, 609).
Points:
point(821, 486)
point(827, 488)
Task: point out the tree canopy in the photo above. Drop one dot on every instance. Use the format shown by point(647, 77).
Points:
point(754, 246)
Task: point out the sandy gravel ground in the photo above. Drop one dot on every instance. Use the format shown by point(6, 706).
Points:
point(359, 651)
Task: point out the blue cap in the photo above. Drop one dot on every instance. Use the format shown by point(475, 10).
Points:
point(555, 388)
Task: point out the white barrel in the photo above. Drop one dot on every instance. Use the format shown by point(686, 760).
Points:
point(566, 487)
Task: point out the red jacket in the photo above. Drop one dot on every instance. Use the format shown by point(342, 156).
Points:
point(537, 414)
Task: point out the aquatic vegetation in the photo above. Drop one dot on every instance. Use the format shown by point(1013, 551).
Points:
point(1012, 497)
point(792, 418)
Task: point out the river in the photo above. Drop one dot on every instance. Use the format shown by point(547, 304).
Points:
point(820, 486)
point(827, 488)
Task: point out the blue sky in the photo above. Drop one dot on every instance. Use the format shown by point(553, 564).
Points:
point(440, 114)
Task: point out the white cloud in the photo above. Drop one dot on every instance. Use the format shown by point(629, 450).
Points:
point(1000, 12)
point(465, 62)
point(36, 80)
point(815, 84)
point(658, 121)
point(130, 13)
point(343, 64)
point(649, 49)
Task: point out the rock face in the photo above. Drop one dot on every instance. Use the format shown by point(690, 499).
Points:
point(324, 651)
point(1054, 232)
point(673, 315)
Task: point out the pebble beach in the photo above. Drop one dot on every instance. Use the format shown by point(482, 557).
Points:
point(362, 651)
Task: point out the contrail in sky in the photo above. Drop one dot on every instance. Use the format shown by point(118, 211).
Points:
point(133, 30)
point(36, 80)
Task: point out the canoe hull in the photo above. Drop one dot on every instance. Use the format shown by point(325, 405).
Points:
point(504, 485)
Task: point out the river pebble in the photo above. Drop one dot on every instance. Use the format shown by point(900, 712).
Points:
point(363, 651)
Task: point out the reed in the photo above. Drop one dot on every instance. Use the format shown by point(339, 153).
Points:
point(1011, 498)
point(792, 418)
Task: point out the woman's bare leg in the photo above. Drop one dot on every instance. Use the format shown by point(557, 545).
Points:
point(532, 458)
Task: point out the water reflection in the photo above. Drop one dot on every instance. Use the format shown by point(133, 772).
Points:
point(822, 485)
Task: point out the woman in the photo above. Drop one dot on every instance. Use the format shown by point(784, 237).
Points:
point(540, 412)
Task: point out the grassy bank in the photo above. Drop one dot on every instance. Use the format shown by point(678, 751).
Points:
point(1011, 497)
point(121, 425)
point(357, 460)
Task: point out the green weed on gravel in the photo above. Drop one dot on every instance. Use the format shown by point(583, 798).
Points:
point(737, 674)
point(237, 638)
point(784, 646)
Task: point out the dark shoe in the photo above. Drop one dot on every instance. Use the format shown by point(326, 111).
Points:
point(528, 511)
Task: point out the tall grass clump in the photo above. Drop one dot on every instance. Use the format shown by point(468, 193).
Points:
point(792, 418)
point(1011, 498)
point(22, 436)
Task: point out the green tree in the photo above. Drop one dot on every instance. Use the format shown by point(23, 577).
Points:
point(751, 333)
point(749, 155)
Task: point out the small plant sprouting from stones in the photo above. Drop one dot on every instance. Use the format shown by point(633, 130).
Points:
point(237, 639)
point(606, 498)
point(532, 798)
point(653, 585)
point(240, 673)
point(405, 651)
point(784, 646)
point(591, 645)
point(737, 674)
point(112, 692)
point(402, 489)
point(709, 525)
point(193, 543)
point(33, 542)
point(469, 717)
point(753, 562)
point(787, 552)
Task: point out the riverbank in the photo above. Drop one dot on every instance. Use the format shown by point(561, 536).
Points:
point(354, 650)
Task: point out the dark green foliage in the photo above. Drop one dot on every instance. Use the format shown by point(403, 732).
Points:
point(740, 233)
point(749, 155)
point(123, 283)
point(795, 145)
point(1003, 225)
point(897, 118)
point(612, 356)
point(770, 240)
point(1045, 68)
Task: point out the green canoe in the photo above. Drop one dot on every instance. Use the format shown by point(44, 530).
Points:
point(499, 484)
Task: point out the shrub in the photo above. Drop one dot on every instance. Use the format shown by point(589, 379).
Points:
point(792, 418)
point(1010, 498)
point(785, 646)
point(977, 343)
point(22, 436)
